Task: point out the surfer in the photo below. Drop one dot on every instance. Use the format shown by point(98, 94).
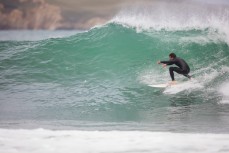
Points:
point(182, 68)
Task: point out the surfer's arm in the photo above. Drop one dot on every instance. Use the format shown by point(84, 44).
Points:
point(164, 65)
point(166, 62)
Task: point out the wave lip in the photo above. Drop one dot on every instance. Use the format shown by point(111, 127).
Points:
point(176, 17)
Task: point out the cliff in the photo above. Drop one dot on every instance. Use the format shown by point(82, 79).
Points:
point(29, 14)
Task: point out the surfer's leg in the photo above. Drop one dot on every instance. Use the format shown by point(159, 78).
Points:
point(171, 69)
point(186, 72)
point(188, 76)
point(176, 69)
point(179, 71)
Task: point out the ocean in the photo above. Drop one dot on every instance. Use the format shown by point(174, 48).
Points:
point(87, 91)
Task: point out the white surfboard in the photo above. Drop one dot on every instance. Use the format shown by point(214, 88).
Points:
point(164, 85)
point(159, 85)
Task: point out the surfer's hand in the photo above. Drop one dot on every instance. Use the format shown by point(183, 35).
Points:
point(164, 65)
point(159, 62)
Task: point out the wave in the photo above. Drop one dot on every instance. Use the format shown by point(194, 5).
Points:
point(116, 55)
point(103, 74)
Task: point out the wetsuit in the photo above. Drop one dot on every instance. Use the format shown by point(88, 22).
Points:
point(182, 68)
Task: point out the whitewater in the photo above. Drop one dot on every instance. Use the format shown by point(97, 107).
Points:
point(87, 91)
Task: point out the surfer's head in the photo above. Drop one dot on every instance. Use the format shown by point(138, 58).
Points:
point(172, 56)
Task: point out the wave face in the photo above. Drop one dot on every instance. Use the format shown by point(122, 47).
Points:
point(103, 74)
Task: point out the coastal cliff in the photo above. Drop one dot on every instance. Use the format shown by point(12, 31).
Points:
point(39, 14)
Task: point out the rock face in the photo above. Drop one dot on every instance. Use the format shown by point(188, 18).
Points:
point(29, 14)
point(39, 14)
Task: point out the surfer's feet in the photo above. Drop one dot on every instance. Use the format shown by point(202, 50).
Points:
point(188, 76)
point(172, 82)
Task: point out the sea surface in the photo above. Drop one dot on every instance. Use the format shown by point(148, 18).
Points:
point(87, 91)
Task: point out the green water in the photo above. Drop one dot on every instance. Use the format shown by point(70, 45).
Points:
point(99, 79)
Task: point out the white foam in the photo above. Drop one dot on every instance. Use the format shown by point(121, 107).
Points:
point(184, 86)
point(224, 90)
point(47, 141)
point(224, 69)
point(177, 16)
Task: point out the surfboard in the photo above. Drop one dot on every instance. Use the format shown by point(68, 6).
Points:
point(159, 85)
point(163, 85)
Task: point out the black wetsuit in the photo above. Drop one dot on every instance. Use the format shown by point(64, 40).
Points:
point(182, 68)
